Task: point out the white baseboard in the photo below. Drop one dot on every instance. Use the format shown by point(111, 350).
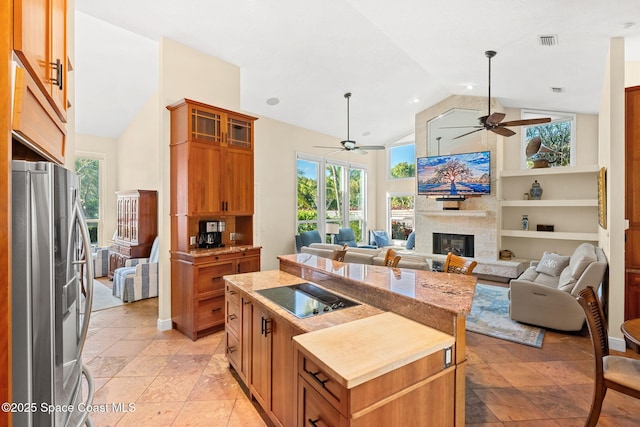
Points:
point(617, 344)
point(164, 325)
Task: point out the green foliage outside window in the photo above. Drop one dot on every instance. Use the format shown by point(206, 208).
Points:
point(88, 171)
point(403, 170)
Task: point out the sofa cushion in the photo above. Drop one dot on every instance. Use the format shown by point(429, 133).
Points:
point(382, 238)
point(358, 258)
point(411, 240)
point(566, 282)
point(531, 275)
point(583, 256)
point(552, 264)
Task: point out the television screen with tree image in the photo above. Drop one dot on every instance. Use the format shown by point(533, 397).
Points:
point(456, 175)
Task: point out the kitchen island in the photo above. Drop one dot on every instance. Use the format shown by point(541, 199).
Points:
point(277, 356)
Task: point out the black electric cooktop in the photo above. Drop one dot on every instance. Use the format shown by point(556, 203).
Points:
point(306, 299)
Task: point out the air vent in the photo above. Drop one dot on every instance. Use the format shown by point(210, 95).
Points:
point(548, 40)
point(557, 89)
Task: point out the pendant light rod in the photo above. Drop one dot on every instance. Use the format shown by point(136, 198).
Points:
point(348, 95)
point(490, 54)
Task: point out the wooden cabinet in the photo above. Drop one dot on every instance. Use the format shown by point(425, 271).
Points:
point(632, 202)
point(39, 98)
point(198, 289)
point(260, 349)
point(211, 160)
point(137, 219)
point(40, 40)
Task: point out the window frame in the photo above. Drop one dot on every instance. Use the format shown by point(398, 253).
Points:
point(344, 216)
point(102, 176)
point(389, 227)
point(402, 142)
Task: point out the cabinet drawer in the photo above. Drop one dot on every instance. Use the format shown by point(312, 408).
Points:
point(329, 389)
point(315, 410)
point(233, 350)
point(210, 312)
point(234, 317)
point(210, 277)
point(233, 295)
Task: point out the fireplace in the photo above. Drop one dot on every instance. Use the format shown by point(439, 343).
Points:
point(459, 244)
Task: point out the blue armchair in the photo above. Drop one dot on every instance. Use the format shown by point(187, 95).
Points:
point(346, 236)
point(138, 279)
point(306, 238)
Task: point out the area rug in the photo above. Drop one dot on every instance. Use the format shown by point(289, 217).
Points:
point(102, 298)
point(490, 316)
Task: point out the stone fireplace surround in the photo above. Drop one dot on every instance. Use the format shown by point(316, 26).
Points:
point(477, 216)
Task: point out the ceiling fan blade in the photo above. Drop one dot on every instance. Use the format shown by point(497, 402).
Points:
point(371, 147)
point(494, 119)
point(460, 127)
point(502, 131)
point(468, 133)
point(322, 146)
point(359, 151)
point(526, 122)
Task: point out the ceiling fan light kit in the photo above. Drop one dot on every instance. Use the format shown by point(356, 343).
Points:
point(350, 145)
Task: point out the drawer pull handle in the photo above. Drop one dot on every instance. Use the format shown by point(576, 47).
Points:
point(231, 349)
point(215, 310)
point(315, 377)
point(314, 423)
point(247, 302)
point(232, 317)
point(265, 326)
point(232, 292)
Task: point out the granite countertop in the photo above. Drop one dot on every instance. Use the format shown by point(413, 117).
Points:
point(450, 292)
point(252, 282)
point(203, 252)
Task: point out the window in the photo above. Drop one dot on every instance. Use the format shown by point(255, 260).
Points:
point(339, 198)
point(402, 158)
point(556, 144)
point(88, 171)
point(400, 208)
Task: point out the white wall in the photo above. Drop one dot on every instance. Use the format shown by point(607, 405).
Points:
point(611, 156)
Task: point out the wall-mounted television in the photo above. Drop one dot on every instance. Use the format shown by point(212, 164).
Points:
point(454, 175)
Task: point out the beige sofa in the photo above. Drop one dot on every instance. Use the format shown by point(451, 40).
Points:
point(545, 294)
point(373, 256)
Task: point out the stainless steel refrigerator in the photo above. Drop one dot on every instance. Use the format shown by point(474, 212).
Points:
point(52, 290)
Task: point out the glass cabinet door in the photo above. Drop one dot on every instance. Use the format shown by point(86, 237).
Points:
point(239, 133)
point(206, 126)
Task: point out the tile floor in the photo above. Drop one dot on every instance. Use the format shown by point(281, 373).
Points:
point(173, 381)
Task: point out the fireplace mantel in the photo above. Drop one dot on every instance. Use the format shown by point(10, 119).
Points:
point(462, 212)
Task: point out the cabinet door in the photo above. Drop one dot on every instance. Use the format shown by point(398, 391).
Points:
point(260, 382)
point(632, 295)
point(246, 340)
point(204, 179)
point(248, 264)
point(237, 182)
point(283, 377)
point(40, 41)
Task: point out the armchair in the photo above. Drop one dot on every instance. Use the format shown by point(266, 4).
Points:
point(138, 279)
point(545, 294)
point(306, 238)
point(346, 236)
point(100, 262)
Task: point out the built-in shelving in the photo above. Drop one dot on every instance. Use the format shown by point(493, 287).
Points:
point(550, 203)
point(556, 235)
point(549, 171)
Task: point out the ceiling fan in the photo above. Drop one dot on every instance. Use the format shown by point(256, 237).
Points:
point(493, 121)
point(350, 145)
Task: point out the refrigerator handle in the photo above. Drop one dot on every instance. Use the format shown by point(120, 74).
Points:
point(78, 217)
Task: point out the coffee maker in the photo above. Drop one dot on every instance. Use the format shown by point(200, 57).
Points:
point(210, 234)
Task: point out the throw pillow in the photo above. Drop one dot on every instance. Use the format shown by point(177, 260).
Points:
point(552, 264)
point(411, 240)
point(382, 238)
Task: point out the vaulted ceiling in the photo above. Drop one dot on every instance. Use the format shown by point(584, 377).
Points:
point(397, 58)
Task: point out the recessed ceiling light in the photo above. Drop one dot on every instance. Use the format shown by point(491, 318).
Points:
point(557, 89)
point(470, 87)
point(367, 133)
point(273, 101)
point(415, 100)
